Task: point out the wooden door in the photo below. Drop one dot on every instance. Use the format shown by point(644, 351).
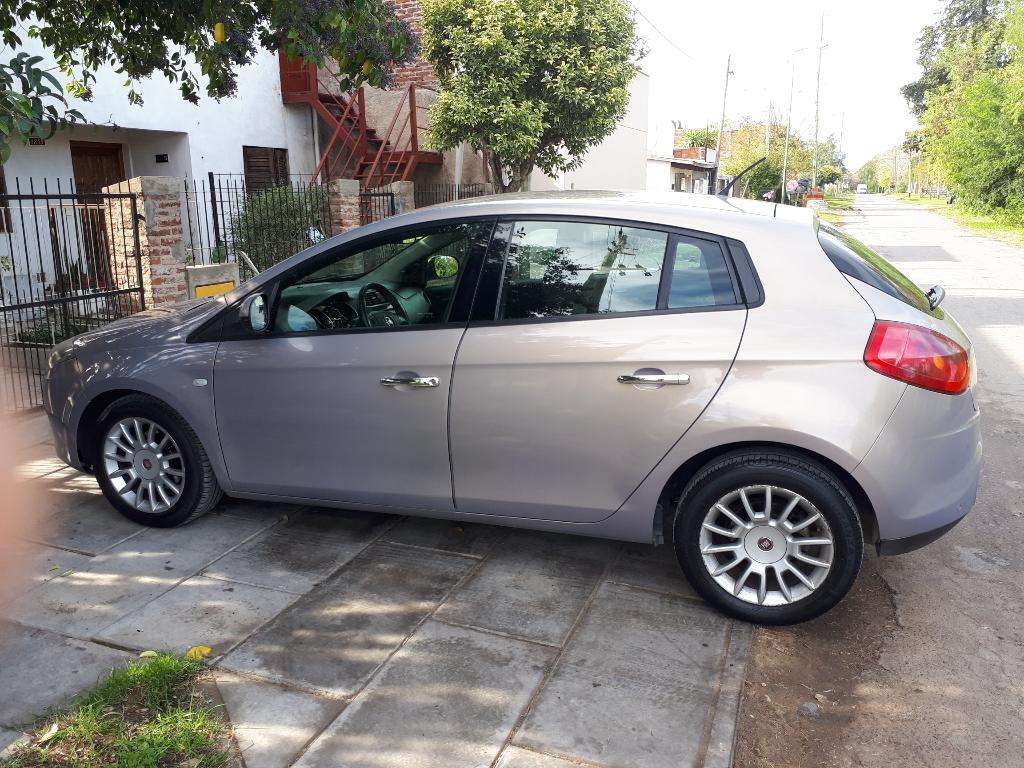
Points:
point(96, 165)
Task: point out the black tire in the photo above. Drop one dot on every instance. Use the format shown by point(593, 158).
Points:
point(200, 493)
point(780, 469)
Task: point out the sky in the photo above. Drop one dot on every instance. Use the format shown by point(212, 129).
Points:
point(871, 51)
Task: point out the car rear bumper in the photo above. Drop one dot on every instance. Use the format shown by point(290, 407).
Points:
point(922, 473)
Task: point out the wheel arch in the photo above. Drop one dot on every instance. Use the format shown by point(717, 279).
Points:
point(681, 476)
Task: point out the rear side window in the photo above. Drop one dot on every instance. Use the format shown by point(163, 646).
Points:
point(567, 268)
point(700, 277)
point(855, 259)
point(564, 268)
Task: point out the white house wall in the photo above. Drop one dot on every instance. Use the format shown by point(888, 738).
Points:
point(216, 131)
point(618, 162)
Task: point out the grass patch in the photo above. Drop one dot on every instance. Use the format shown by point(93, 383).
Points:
point(982, 223)
point(146, 715)
point(837, 205)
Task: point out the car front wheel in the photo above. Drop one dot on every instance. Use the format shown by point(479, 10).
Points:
point(150, 465)
point(768, 536)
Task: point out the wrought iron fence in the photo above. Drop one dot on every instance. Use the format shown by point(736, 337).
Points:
point(376, 204)
point(431, 194)
point(69, 263)
point(226, 220)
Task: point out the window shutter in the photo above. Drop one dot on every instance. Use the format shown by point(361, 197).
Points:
point(264, 167)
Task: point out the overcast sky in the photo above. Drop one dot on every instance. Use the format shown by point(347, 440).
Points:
point(871, 52)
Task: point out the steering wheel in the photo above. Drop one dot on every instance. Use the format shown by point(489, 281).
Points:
point(378, 307)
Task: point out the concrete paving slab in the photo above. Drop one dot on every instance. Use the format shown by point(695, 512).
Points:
point(447, 535)
point(199, 611)
point(128, 576)
point(650, 567)
point(533, 586)
point(9, 739)
point(448, 697)
point(37, 461)
point(333, 638)
point(337, 524)
point(292, 557)
point(517, 757)
point(36, 564)
point(637, 685)
point(40, 670)
point(264, 511)
point(74, 514)
point(272, 723)
point(29, 430)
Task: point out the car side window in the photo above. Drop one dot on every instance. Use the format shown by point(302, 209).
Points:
point(700, 276)
point(405, 280)
point(565, 268)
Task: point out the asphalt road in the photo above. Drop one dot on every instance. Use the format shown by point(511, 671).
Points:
point(923, 663)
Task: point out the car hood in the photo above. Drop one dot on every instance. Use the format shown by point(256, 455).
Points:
point(151, 327)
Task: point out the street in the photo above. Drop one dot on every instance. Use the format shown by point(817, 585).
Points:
point(923, 663)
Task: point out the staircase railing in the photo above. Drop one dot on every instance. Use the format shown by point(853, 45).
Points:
point(350, 132)
point(396, 157)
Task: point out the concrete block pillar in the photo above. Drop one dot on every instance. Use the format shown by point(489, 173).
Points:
point(161, 237)
point(343, 204)
point(405, 196)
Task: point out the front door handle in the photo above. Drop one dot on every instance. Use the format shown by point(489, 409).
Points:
point(654, 378)
point(410, 381)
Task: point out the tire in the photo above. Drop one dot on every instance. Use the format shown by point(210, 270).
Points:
point(771, 551)
point(197, 489)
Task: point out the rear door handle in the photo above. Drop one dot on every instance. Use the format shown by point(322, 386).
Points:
point(654, 378)
point(410, 381)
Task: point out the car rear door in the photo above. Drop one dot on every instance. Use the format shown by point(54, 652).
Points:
point(594, 346)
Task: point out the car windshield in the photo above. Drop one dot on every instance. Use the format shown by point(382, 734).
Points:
point(855, 259)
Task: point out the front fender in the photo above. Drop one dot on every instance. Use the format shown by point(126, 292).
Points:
point(174, 375)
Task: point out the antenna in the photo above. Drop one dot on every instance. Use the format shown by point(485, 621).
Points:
point(738, 176)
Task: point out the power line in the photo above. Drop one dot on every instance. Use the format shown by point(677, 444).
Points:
point(662, 35)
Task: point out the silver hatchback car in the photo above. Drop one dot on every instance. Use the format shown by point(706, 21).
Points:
point(737, 377)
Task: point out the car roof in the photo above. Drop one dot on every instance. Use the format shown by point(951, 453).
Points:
point(678, 208)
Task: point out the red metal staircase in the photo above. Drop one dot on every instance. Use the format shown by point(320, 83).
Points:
point(354, 150)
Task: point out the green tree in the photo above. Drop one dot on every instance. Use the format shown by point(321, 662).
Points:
point(198, 44)
point(530, 82)
point(701, 137)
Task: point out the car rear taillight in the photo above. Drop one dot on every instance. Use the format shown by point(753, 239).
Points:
point(918, 356)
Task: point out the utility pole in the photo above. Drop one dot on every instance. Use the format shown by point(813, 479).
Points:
point(721, 124)
point(789, 123)
point(817, 105)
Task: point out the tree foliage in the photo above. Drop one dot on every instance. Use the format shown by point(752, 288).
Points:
point(197, 44)
point(533, 83)
point(701, 137)
point(747, 142)
point(972, 122)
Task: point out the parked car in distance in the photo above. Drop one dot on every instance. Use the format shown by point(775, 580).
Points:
point(862, 189)
point(736, 377)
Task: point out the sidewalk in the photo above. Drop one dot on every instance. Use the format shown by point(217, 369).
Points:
point(360, 639)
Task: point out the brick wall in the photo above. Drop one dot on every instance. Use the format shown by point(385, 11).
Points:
point(419, 72)
point(160, 236)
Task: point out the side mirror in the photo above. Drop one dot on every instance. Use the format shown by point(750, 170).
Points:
point(254, 312)
point(444, 266)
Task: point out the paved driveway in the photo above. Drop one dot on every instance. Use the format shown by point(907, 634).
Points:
point(359, 639)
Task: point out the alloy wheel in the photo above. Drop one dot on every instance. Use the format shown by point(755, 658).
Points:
point(144, 465)
point(766, 545)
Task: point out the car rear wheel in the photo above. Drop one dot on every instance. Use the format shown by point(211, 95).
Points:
point(150, 465)
point(768, 536)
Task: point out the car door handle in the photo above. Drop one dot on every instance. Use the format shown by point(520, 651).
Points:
point(410, 381)
point(654, 378)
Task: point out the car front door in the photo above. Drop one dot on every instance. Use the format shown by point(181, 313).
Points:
point(598, 346)
point(344, 396)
